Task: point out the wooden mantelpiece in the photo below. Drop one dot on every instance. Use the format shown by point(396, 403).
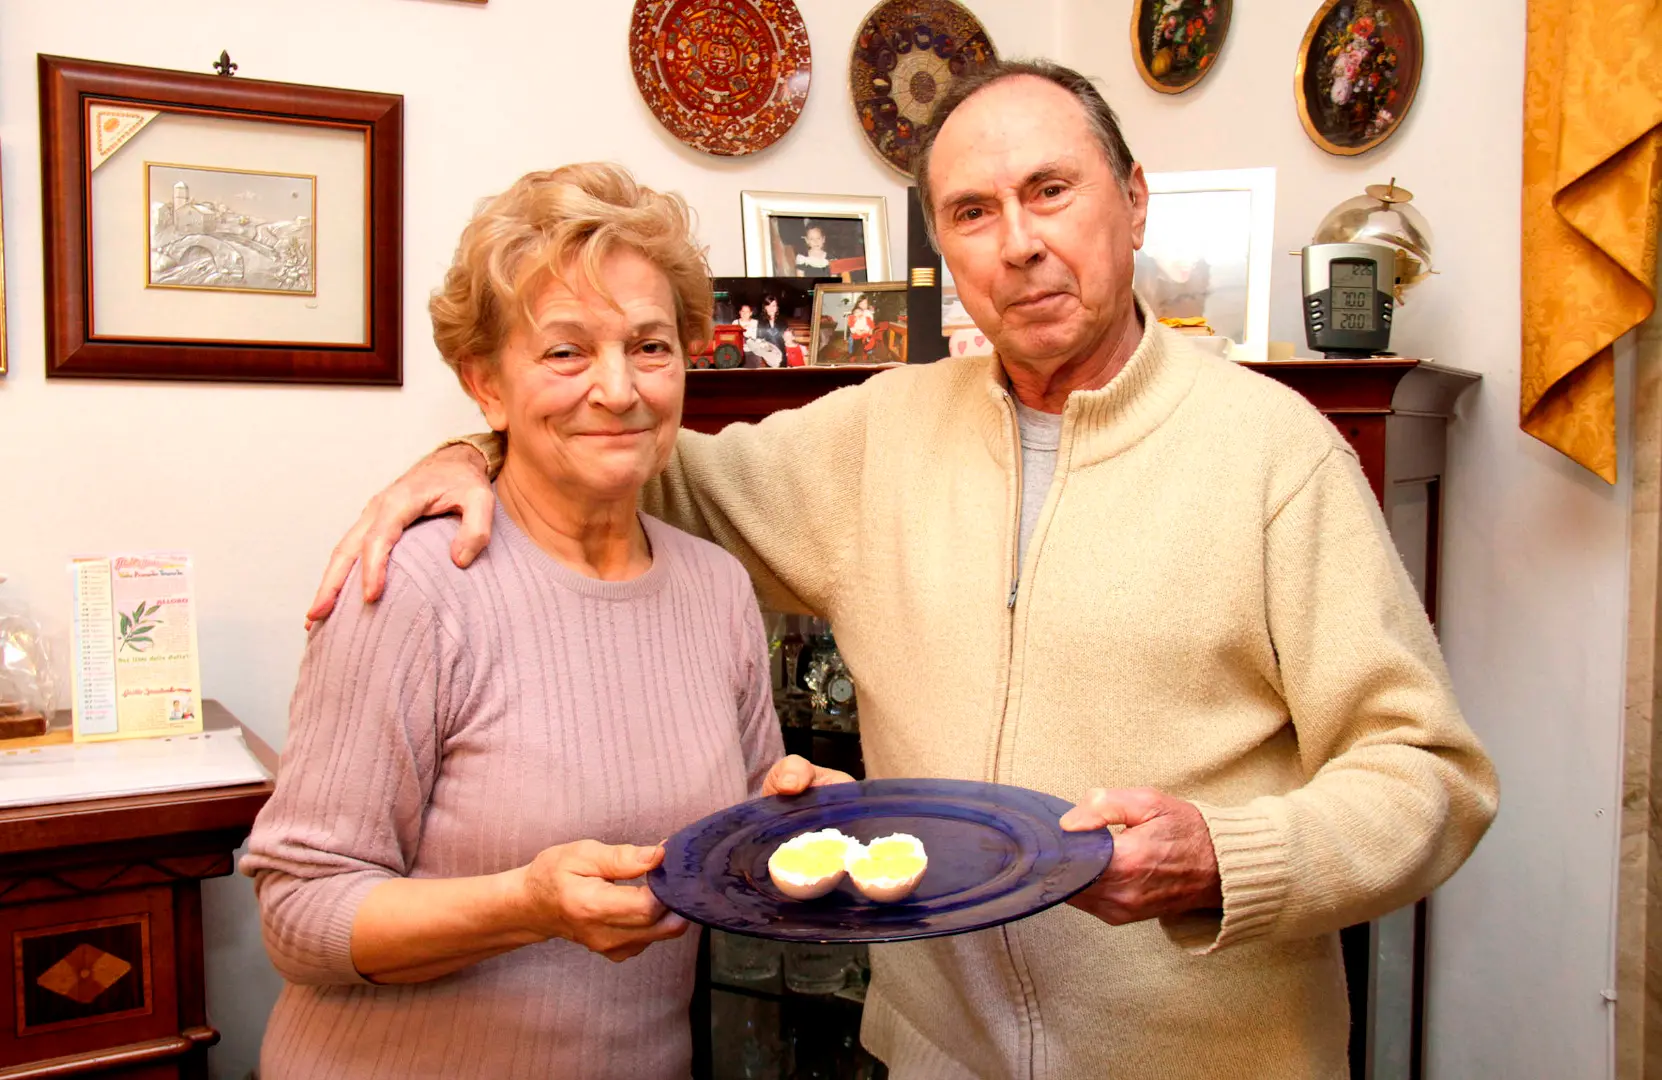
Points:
point(101, 927)
point(1357, 395)
point(742, 395)
point(1379, 402)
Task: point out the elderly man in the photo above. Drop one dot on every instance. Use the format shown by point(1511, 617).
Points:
point(1108, 567)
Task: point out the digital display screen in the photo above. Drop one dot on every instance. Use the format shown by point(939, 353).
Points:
point(1353, 294)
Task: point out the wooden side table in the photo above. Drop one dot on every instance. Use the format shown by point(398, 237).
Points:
point(101, 926)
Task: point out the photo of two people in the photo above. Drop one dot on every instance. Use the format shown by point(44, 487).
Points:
point(775, 315)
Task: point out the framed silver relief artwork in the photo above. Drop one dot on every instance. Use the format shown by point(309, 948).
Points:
point(231, 230)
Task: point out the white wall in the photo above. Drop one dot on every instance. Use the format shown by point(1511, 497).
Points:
point(260, 481)
point(1535, 550)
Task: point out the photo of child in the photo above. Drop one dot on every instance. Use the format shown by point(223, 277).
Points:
point(861, 325)
point(819, 247)
point(794, 355)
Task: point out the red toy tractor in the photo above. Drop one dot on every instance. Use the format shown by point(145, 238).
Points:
point(726, 348)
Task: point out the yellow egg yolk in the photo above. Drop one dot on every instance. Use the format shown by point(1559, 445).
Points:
point(888, 860)
point(811, 860)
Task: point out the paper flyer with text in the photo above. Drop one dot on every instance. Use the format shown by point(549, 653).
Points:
point(135, 661)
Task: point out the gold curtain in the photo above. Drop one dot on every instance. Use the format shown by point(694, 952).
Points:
point(1592, 190)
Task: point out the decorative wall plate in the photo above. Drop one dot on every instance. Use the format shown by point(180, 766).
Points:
point(1176, 42)
point(906, 55)
point(726, 77)
point(1357, 72)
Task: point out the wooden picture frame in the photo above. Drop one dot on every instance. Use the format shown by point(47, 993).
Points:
point(885, 334)
point(321, 295)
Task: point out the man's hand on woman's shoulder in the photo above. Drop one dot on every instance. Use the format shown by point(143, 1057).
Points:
point(450, 480)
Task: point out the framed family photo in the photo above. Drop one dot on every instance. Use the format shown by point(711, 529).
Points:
point(860, 324)
point(839, 236)
point(1206, 255)
point(219, 228)
point(759, 323)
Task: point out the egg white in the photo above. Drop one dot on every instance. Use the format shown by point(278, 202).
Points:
point(886, 890)
point(801, 886)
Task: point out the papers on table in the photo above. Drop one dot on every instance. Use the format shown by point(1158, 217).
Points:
point(80, 771)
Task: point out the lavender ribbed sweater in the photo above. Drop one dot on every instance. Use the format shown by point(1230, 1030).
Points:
point(464, 723)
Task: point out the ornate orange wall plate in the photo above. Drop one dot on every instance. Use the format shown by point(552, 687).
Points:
point(726, 77)
point(906, 57)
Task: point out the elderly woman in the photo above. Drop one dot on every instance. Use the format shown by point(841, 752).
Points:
point(476, 762)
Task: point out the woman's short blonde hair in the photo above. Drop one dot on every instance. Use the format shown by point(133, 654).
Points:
point(547, 224)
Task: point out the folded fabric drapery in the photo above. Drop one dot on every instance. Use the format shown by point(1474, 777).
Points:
point(1592, 192)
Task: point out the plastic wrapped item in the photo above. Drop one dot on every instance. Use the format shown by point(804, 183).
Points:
point(28, 692)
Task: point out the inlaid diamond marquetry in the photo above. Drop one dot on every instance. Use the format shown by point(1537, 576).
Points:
point(85, 974)
point(91, 972)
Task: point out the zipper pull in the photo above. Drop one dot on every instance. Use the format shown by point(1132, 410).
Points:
point(1010, 604)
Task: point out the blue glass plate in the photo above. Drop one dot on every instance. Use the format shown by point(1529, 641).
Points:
point(996, 854)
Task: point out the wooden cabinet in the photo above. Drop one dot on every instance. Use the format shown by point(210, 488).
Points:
point(101, 924)
point(1395, 413)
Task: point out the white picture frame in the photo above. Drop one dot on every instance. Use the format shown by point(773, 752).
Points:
point(775, 233)
point(1208, 251)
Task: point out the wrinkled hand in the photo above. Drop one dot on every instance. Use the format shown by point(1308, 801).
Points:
point(568, 892)
point(794, 774)
point(448, 481)
point(1163, 861)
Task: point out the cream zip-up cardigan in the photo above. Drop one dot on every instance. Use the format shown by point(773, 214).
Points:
point(1210, 605)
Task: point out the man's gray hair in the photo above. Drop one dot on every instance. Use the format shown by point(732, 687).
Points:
point(1098, 115)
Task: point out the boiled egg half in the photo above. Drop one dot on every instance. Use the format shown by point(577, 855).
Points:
point(888, 868)
point(807, 867)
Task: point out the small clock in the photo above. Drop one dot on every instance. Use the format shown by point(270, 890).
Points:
point(831, 688)
point(1348, 298)
point(839, 689)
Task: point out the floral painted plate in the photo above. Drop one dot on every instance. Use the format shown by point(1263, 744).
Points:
point(1358, 70)
point(996, 854)
point(726, 77)
point(1176, 42)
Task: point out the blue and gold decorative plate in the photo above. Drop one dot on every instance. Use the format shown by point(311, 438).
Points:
point(907, 54)
point(996, 854)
